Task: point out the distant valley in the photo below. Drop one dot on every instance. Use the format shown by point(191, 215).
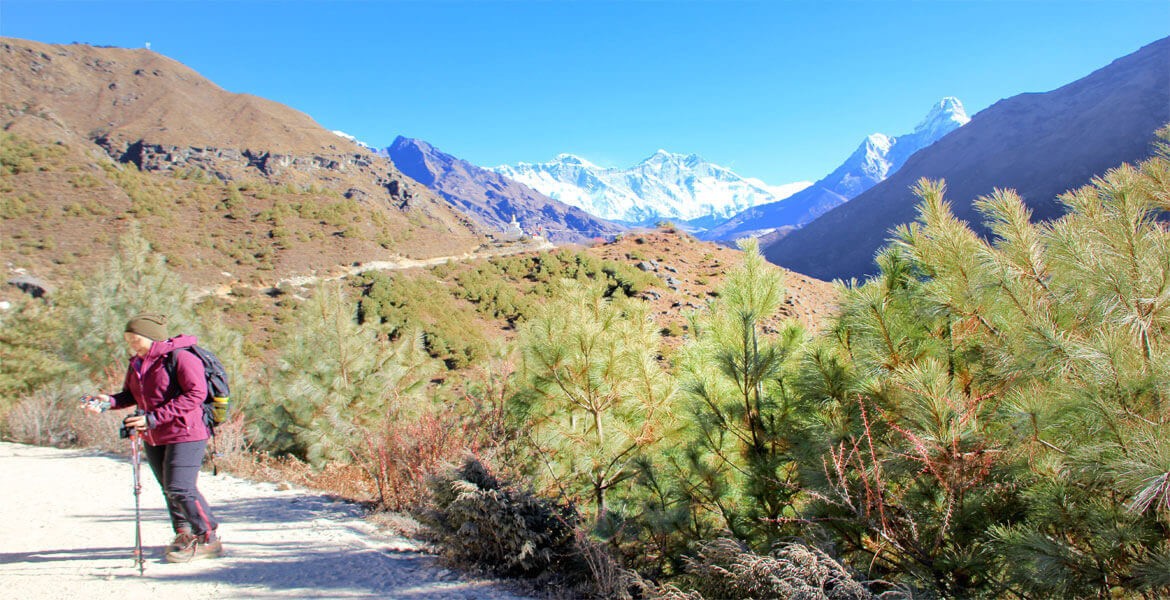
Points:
point(249, 200)
point(233, 187)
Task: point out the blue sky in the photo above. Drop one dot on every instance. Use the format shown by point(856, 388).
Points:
point(780, 90)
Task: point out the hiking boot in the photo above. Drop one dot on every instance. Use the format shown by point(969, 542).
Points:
point(197, 547)
point(182, 538)
point(208, 546)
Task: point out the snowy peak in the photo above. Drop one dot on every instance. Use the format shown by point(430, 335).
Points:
point(880, 155)
point(353, 139)
point(686, 188)
point(505, 207)
point(665, 185)
point(946, 116)
point(877, 157)
point(572, 160)
point(662, 157)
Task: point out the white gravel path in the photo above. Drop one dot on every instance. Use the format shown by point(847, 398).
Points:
point(67, 531)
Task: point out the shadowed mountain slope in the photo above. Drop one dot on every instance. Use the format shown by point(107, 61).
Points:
point(495, 200)
point(1040, 144)
point(876, 158)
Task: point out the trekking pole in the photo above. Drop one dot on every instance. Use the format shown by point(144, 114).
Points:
point(136, 461)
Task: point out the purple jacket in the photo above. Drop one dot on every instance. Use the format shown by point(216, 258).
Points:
point(170, 420)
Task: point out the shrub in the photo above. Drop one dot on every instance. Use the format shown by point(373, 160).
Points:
point(482, 521)
point(333, 379)
point(28, 358)
point(724, 568)
point(596, 399)
point(399, 454)
point(47, 418)
point(607, 578)
point(997, 423)
point(22, 155)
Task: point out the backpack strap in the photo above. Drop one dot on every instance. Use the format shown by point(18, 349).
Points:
point(170, 363)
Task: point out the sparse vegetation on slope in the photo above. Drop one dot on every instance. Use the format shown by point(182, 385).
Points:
point(982, 419)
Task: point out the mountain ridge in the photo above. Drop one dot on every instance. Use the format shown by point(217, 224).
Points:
point(873, 161)
point(221, 182)
point(1039, 144)
point(494, 200)
point(663, 186)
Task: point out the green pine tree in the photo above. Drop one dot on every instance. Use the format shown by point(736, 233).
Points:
point(96, 308)
point(597, 397)
point(334, 380)
point(1011, 423)
point(737, 472)
point(29, 360)
point(73, 339)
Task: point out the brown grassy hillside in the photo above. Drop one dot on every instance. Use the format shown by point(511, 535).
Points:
point(97, 138)
point(241, 193)
point(693, 270)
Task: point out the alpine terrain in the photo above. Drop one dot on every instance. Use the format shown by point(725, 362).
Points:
point(1039, 144)
point(666, 186)
point(508, 208)
point(228, 186)
point(878, 157)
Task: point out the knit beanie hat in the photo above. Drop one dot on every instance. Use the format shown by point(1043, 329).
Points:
point(151, 325)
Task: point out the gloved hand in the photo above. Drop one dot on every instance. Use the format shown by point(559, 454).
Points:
point(96, 404)
point(136, 421)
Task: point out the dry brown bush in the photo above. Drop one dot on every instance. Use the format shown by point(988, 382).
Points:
point(44, 419)
point(400, 454)
point(53, 416)
point(725, 568)
point(608, 578)
point(344, 481)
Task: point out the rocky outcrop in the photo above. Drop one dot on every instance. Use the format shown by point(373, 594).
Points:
point(229, 164)
point(224, 163)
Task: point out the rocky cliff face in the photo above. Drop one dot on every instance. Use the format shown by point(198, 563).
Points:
point(229, 164)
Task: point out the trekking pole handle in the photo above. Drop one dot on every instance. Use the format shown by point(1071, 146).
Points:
point(126, 431)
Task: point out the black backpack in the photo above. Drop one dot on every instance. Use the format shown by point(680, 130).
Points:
point(215, 406)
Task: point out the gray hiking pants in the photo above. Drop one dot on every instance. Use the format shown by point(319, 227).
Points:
point(176, 467)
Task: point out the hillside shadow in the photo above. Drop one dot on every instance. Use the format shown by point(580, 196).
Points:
point(378, 573)
point(66, 554)
point(283, 509)
point(344, 567)
point(276, 510)
point(126, 515)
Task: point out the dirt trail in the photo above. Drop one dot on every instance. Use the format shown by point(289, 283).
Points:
point(67, 531)
point(535, 245)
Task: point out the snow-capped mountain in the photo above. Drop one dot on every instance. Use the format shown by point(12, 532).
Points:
point(502, 205)
point(1038, 144)
point(878, 157)
point(670, 186)
point(353, 139)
